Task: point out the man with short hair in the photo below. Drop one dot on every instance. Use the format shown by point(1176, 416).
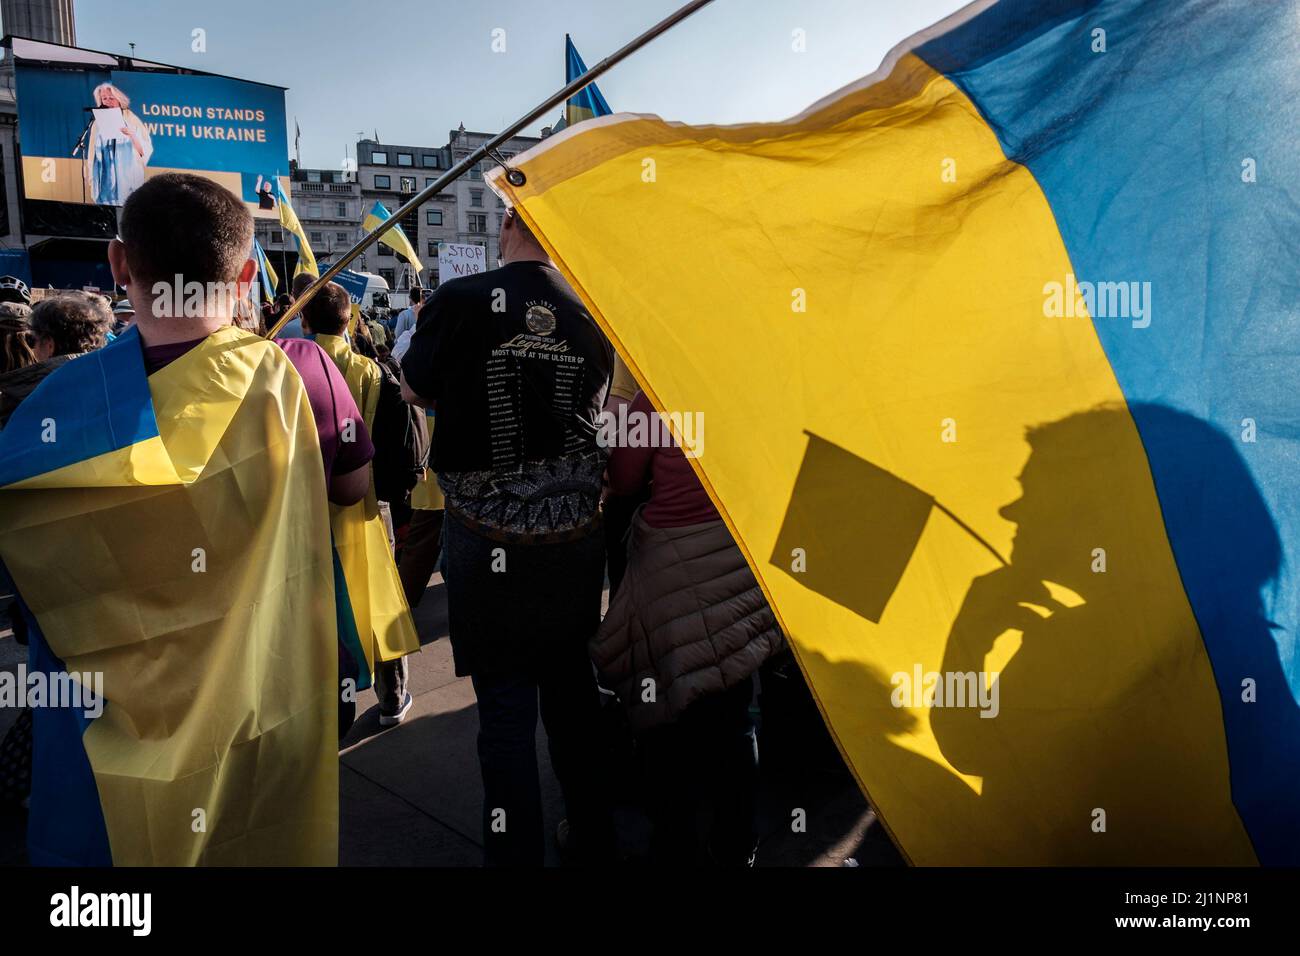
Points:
point(61, 328)
point(517, 372)
point(184, 502)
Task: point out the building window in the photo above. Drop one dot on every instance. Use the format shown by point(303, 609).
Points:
point(277, 236)
point(428, 181)
point(429, 161)
point(389, 276)
point(341, 237)
point(315, 237)
point(383, 182)
point(343, 210)
point(405, 159)
point(379, 159)
point(477, 222)
point(408, 184)
point(313, 175)
point(475, 172)
point(476, 198)
point(500, 216)
point(433, 248)
point(313, 209)
point(385, 250)
point(433, 217)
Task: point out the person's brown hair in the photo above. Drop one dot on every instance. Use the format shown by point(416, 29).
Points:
point(179, 224)
point(75, 322)
point(329, 310)
point(300, 283)
point(363, 343)
point(15, 339)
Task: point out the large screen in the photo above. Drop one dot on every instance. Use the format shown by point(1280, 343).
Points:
point(94, 135)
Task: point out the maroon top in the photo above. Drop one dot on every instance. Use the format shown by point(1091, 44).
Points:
point(332, 404)
point(676, 496)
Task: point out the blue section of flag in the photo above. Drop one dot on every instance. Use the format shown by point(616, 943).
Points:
point(66, 826)
point(589, 98)
point(1163, 135)
point(93, 405)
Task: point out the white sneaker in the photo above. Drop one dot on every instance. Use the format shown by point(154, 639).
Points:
point(392, 720)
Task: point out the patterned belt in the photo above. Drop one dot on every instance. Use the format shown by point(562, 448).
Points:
point(579, 533)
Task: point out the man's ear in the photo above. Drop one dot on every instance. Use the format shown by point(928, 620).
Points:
point(117, 263)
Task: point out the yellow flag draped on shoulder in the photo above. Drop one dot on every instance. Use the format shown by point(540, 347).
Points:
point(374, 588)
point(170, 533)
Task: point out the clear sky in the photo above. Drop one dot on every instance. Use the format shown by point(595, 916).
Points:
point(414, 69)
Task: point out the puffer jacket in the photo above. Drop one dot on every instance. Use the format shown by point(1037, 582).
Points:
point(689, 615)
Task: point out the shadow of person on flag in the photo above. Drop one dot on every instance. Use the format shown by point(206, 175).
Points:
point(1137, 551)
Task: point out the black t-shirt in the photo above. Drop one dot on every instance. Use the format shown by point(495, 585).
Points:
point(516, 365)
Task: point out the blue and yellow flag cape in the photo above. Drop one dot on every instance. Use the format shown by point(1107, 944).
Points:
point(374, 589)
point(214, 632)
point(588, 101)
point(394, 238)
point(996, 350)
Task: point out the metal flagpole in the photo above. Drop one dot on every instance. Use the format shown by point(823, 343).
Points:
point(459, 169)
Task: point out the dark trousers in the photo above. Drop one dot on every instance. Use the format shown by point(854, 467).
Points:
point(704, 764)
point(420, 553)
point(416, 565)
point(565, 688)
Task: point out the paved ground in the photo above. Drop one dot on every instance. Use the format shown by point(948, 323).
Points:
point(411, 795)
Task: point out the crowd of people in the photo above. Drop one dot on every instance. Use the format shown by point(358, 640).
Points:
point(462, 435)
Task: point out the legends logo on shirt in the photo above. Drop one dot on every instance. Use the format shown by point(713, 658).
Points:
point(533, 346)
point(540, 318)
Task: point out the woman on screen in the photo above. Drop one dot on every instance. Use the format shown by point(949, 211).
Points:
point(120, 148)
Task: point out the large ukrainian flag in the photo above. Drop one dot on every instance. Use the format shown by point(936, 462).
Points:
point(172, 533)
point(945, 462)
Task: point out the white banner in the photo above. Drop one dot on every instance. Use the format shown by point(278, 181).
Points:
point(458, 259)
